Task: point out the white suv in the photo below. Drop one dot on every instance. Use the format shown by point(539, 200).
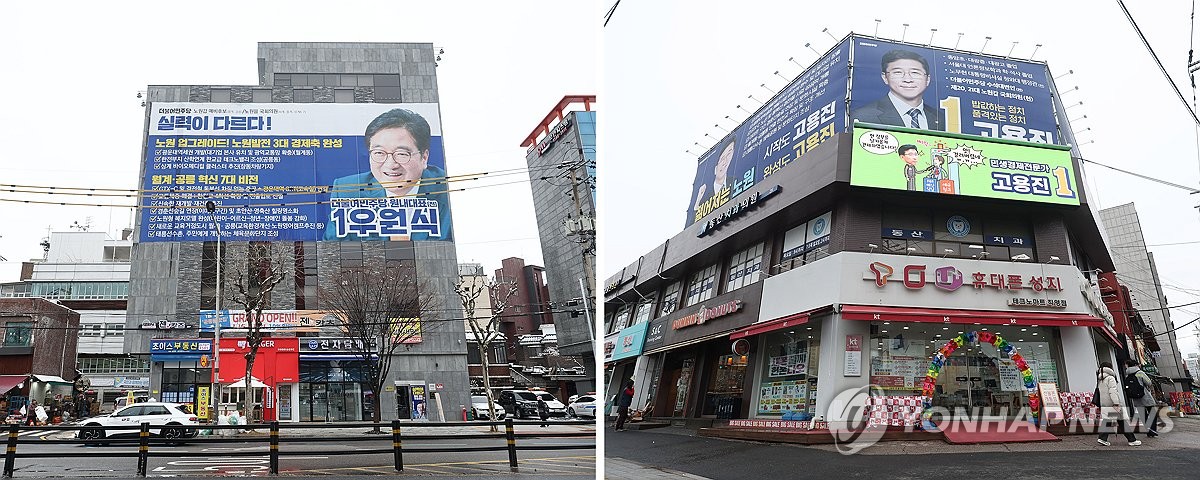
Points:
point(129, 420)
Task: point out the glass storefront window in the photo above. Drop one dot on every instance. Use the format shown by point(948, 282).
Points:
point(977, 377)
point(788, 371)
point(725, 388)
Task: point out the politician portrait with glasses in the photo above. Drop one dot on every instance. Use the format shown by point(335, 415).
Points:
point(907, 75)
point(397, 143)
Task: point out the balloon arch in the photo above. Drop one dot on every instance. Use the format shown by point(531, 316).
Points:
point(939, 359)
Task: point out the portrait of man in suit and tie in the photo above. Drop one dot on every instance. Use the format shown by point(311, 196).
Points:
point(907, 75)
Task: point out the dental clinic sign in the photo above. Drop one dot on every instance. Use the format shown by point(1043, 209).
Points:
point(950, 279)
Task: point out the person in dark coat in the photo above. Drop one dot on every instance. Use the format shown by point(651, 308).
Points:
point(543, 410)
point(624, 400)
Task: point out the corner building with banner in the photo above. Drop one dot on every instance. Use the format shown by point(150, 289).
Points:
point(836, 244)
point(333, 161)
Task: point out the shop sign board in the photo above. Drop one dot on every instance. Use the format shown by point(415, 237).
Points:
point(172, 350)
point(629, 341)
point(610, 345)
point(684, 324)
point(1051, 404)
point(853, 361)
point(705, 313)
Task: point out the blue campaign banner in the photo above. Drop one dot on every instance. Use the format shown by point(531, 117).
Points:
point(295, 172)
point(933, 89)
point(805, 113)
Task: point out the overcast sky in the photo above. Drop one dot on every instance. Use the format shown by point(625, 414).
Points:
point(72, 73)
point(674, 68)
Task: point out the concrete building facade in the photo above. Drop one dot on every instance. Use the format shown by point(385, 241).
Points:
point(1137, 270)
point(174, 281)
point(561, 159)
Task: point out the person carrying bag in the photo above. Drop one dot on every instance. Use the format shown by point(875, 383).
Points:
point(1111, 407)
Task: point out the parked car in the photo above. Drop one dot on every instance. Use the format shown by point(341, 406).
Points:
point(519, 403)
point(481, 411)
point(557, 409)
point(122, 401)
point(583, 406)
point(166, 419)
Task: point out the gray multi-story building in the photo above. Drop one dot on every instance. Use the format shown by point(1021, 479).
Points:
point(1138, 271)
point(174, 281)
point(561, 158)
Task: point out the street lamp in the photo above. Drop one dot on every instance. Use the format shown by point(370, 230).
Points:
point(215, 392)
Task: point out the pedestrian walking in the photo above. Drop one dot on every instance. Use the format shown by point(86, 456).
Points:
point(624, 400)
point(543, 410)
point(31, 413)
point(1139, 389)
point(1111, 407)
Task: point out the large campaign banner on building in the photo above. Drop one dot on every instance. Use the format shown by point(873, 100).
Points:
point(295, 172)
point(807, 112)
point(928, 88)
point(950, 164)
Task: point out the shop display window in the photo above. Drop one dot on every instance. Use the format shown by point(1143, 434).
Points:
point(788, 372)
point(977, 377)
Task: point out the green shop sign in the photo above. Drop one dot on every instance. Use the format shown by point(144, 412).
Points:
point(950, 164)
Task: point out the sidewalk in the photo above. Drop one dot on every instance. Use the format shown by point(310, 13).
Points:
point(619, 468)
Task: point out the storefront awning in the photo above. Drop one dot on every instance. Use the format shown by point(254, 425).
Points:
point(7, 382)
point(770, 325)
point(50, 379)
point(982, 317)
point(1111, 335)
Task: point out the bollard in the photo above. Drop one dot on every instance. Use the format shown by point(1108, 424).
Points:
point(512, 444)
point(398, 452)
point(275, 447)
point(143, 448)
point(10, 455)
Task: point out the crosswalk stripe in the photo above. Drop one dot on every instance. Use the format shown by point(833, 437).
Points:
point(33, 433)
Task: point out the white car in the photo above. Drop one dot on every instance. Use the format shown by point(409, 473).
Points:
point(583, 406)
point(128, 421)
point(557, 409)
point(479, 407)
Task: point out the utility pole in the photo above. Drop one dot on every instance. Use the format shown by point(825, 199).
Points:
point(583, 226)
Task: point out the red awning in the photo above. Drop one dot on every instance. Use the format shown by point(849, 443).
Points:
point(1111, 336)
point(940, 315)
point(9, 381)
point(771, 325)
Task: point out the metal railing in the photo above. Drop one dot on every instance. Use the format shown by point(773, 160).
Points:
point(144, 441)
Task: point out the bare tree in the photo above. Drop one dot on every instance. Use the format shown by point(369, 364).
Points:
point(485, 330)
point(265, 268)
point(382, 309)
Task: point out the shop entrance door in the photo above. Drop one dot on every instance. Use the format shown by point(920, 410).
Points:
point(969, 386)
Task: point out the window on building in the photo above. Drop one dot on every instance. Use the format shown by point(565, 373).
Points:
point(114, 329)
point(702, 286)
point(219, 95)
point(283, 80)
point(388, 95)
point(119, 253)
point(208, 275)
point(306, 275)
point(645, 308)
point(496, 353)
point(18, 334)
point(670, 299)
point(90, 330)
point(350, 254)
point(621, 320)
point(179, 384)
point(343, 95)
point(261, 95)
point(302, 95)
point(745, 267)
